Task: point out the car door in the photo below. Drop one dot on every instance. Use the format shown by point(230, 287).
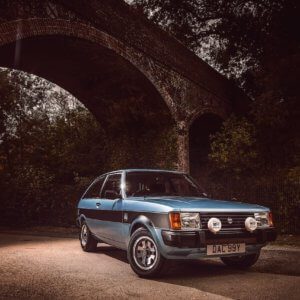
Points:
point(109, 226)
point(89, 203)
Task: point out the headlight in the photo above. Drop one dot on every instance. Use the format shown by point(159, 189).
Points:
point(264, 219)
point(184, 220)
point(251, 224)
point(214, 225)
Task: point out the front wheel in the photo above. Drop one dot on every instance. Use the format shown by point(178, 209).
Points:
point(241, 262)
point(87, 241)
point(143, 254)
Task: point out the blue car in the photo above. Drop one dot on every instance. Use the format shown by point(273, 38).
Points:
point(158, 215)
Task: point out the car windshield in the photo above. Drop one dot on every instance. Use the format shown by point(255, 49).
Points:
point(143, 184)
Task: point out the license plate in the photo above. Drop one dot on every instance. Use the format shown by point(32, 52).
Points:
point(226, 249)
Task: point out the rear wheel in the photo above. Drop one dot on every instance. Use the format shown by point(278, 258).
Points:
point(241, 262)
point(87, 241)
point(143, 254)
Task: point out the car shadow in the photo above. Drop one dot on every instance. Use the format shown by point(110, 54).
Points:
point(112, 252)
point(212, 276)
point(269, 262)
point(199, 268)
point(174, 268)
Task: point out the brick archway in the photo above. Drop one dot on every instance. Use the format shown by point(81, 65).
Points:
point(14, 31)
point(187, 85)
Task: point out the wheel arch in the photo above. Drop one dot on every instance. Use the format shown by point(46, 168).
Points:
point(81, 218)
point(144, 222)
point(141, 222)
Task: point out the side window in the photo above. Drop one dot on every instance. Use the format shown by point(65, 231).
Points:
point(112, 187)
point(95, 189)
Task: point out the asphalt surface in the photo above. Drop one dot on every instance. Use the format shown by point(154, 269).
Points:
point(39, 267)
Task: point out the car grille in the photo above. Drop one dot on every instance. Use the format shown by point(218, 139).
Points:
point(238, 220)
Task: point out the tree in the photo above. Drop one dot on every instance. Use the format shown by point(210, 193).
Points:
point(230, 35)
point(256, 43)
point(51, 146)
point(233, 149)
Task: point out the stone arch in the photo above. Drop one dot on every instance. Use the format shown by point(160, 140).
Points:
point(219, 111)
point(185, 84)
point(31, 31)
point(13, 31)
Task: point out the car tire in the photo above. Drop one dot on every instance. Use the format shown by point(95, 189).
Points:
point(241, 262)
point(87, 241)
point(143, 254)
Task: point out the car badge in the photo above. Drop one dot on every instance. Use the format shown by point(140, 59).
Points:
point(229, 220)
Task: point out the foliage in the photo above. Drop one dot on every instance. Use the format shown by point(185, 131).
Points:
point(51, 148)
point(230, 35)
point(233, 148)
point(257, 44)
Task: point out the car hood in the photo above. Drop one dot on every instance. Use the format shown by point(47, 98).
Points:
point(201, 204)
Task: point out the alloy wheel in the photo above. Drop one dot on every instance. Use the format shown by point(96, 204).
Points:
point(145, 252)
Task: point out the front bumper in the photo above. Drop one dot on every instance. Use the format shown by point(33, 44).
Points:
point(192, 244)
point(198, 239)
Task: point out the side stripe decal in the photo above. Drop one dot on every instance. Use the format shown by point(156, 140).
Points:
point(160, 220)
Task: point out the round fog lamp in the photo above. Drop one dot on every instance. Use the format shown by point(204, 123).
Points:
point(250, 224)
point(214, 225)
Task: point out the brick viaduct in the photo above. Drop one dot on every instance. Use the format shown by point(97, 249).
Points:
point(95, 48)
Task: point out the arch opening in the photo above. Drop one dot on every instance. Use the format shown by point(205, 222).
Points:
point(200, 131)
point(49, 158)
point(119, 95)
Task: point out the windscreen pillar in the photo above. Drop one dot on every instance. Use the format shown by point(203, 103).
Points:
point(183, 146)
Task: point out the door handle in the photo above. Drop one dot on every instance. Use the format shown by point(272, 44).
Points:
point(98, 204)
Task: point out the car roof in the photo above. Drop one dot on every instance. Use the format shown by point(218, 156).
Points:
point(142, 170)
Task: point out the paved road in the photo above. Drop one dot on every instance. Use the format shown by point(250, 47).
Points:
point(38, 267)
